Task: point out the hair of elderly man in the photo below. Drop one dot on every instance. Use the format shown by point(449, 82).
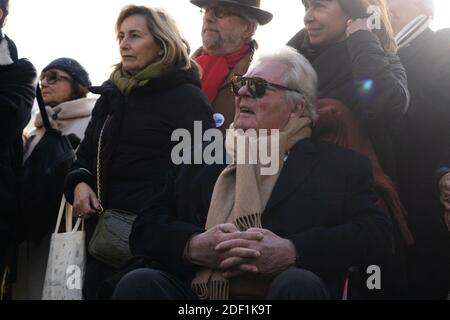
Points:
point(300, 76)
point(165, 31)
point(4, 5)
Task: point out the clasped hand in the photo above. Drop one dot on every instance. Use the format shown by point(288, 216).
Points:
point(256, 251)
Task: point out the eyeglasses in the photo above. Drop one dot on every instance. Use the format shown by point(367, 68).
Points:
point(53, 77)
point(221, 12)
point(256, 86)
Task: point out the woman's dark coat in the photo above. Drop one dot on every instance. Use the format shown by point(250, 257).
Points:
point(421, 147)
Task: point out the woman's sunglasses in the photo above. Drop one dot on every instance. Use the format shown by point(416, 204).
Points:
point(256, 86)
point(53, 77)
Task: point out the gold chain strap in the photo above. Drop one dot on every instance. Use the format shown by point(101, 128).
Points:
point(3, 287)
point(99, 149)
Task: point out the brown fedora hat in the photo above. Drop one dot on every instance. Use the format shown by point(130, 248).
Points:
point(250, 6)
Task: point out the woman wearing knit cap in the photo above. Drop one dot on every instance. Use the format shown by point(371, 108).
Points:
point(64, 85)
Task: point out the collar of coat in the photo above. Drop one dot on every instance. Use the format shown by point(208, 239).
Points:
point(170, 78)
point(239, 67)
point(8, 50)
point(412, 30)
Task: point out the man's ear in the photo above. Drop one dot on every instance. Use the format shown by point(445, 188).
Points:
point(1, 15)
point(299, 109)
point(249, 30)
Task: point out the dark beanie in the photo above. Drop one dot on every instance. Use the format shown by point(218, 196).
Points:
point(73, 68)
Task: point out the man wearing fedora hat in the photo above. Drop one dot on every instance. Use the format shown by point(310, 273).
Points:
point(228, 48)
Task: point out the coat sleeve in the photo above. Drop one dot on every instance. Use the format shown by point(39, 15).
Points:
point(363, 238)
point(160, 235)
point(381, 82)
point(81, 170)
point(17, 93)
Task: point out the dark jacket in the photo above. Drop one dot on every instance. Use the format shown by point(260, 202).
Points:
point(323, 201)
point(421, 146)
point(137, 146)
point(363, 77)
point(17, 92)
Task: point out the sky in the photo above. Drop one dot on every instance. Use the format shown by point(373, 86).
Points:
point(84, 29)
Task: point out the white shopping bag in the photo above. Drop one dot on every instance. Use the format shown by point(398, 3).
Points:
point(66, 260)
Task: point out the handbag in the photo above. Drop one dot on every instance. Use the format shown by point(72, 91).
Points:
point(66, 259)
point(43, 179)
point(110, 240)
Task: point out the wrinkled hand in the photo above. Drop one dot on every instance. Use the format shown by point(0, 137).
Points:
point(275, 255)
point(85, 200)
point(444, 187)
point(202, 247)
point(356, 25)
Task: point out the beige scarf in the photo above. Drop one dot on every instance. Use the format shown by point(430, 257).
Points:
point(240, 197)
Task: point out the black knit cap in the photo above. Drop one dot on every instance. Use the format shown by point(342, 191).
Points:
point(73, 68)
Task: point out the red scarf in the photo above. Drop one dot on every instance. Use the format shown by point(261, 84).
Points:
point(215, 69)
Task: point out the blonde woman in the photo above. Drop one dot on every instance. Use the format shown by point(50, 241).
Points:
point(154, 90)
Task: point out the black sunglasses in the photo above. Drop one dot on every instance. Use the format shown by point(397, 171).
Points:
point(53, 77)
point(256, 86)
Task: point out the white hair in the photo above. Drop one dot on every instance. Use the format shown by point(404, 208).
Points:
point(428, 7)
point(301, 76)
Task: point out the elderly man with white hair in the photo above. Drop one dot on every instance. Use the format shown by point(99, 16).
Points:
point(230, 232)
point(423, 170)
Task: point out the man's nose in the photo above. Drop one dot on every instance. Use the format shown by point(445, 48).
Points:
point(244, 91)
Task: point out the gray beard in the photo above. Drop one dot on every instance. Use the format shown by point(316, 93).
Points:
point(214, 41)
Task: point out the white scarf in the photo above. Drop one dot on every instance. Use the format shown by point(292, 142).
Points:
point(412, 30)
point(61, 115)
